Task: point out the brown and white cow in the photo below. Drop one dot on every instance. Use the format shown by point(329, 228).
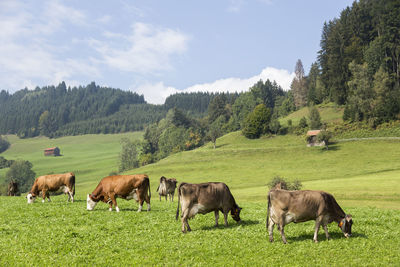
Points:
point(51, 183)
point(124, 186)
point(167, 188)
point(204, 198)
point(285, 207)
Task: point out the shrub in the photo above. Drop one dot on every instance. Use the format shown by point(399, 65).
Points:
point(295, 185)
point(257, 122)
point(4, 144)
point(324, 136)
point(21, 172)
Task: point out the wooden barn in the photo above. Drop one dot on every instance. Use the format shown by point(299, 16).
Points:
point(52, 151)
point(312, 138)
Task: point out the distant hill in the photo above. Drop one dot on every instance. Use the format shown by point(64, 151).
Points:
point(59, 111)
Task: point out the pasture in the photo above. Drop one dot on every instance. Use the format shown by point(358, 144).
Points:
point(364, 176)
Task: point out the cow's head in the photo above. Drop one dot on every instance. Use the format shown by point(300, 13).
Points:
point(235, 213)
point(31, 197)
point(345, 225)
point(90, 203)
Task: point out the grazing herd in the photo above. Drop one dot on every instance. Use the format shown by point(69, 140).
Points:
point(284, 206)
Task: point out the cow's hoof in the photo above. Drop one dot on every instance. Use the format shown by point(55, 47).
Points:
point(271, 240)
point(315, 241)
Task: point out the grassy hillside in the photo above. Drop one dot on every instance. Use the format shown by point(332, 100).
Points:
point(329, 113)
point(89, 156)
point(352, 171)
point(361, 173)
point(364, 176)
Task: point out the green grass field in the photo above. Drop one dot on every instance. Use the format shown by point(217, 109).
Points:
point(364, 176)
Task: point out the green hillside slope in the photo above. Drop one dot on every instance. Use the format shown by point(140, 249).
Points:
point(361, 173)
point(89, 156)
point(329, 113)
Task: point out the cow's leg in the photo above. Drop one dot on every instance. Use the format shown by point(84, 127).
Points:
point(44, 192)
point(282, 230)
point(166, 197)
point(113, 201)
point(172, 197)
point(185, 216)
point(317, 225)
point(271, 229)
point(72, 196)
point(326, 231)
point(216, 213)
point(226, 218)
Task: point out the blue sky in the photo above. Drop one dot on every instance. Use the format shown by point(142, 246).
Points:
point(157, 48)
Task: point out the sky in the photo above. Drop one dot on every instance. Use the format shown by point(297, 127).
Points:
point(158, 48)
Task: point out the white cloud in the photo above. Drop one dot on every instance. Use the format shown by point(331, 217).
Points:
point(155, 93)
point(146, 50)
point(158, 92)
point(27, 53)
point(235, 6)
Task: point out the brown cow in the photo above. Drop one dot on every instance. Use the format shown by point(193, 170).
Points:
point(285, 207)
point(53, 182)
point(167, 188)
point(123, 186)
point(12, 188)
point(205, 198)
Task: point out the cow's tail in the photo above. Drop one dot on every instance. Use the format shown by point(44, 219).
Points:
point(268, 208)
point(179, 198)
point(73, 184)
point(148, 180)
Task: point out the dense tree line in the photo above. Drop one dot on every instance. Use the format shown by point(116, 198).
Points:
point(45, 110)
point(359, 61)
point(57, 111)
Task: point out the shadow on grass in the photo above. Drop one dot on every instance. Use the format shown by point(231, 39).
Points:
point(231, 225)
point(331, 147)
point(321, 237)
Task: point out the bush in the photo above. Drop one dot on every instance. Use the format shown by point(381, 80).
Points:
point(4, 144)
point(257, 122)
point(324, 136)
point(21, 172)
point(129, 157)
point(285, 185)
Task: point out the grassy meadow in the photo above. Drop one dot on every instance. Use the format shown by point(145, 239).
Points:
point(364, 176)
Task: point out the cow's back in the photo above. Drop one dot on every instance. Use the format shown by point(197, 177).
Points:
point(305, 205)
point(123, 184)
point(211, 196)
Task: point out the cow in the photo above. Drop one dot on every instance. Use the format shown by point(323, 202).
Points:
point(51, 183)
point(124, 186)
point(12, 188)
point(204, 198)
point(285, 207)
point(167, 188)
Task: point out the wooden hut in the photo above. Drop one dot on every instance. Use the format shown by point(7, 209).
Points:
point(312, 138)
point(52, 151)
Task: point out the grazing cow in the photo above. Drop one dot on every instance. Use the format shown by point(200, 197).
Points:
point(53, 182)
point(167, 188)
point(12, 188)
point(124, 186)
point(205, 198)
point(285, 207)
